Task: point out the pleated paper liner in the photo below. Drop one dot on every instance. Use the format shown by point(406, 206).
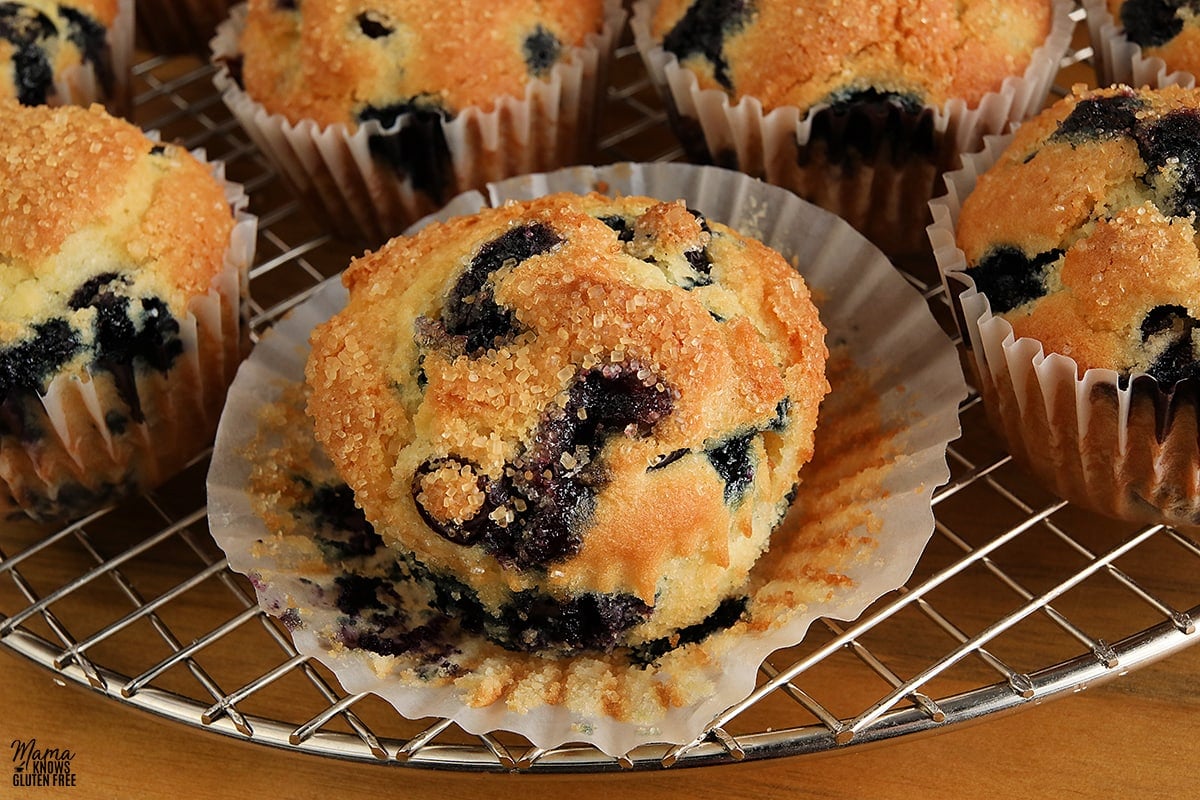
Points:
point(1127, 449)
point(90, 450)
point(362, 196)
point(860, 521)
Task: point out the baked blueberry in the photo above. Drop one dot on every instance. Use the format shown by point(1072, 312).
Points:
point(702, 31)
point(1100, 118)
point(471, 311)
point(1151, 23)
point(542, 50)
point(374, 25)
point(1010, 278)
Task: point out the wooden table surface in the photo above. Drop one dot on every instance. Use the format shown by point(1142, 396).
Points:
point(1137, 737)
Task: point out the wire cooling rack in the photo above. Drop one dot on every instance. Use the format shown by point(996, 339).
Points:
point(1006, 609)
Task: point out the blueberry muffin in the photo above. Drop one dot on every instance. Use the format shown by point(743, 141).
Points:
point(1081, 236)
point(406, 103)
point(59, 52)
point(856, 106)
point(1081, 240)
point(579, 419)
point(120, 326)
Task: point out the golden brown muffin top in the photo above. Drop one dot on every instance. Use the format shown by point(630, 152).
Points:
point(825, 51)
point(572, 345)
point(1082, 235)
point(334, 61)
point(82, 194)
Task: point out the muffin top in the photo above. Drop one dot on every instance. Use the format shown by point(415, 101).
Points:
point(349, 61)
point(1166, 29)
point(787, 53)
point(574, 397)
point(104, 236)
point(40, 39)
point(1083, 234)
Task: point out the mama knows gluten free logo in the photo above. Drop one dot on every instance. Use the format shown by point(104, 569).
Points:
point(40, 766)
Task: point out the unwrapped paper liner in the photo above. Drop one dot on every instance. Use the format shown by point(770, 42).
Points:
point(1120, 61)
point(361, 197)
point(1127, 449)
point(878, 512)
point(78, 462)
point(886, 198)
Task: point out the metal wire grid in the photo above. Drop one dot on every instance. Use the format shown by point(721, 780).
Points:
point(138, 604)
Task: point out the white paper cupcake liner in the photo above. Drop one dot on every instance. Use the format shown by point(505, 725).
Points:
point(859, 524)
point(1118, 60)
point(78, 462)
point(884, 199)
point(1127, 449)
point(81, 86)
point(552, 125)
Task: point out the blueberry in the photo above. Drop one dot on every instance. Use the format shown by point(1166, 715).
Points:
point(536, 621)
point(1178, 359)
point(88, 36)
point(541, 50)
point(783, 411)
point(286, 5)
point(90, 291)
point(726, 614)
point(621, 225)
point(1150, 23)
point(703, 29)
point(465, 532)
point(358, 593)
point(616, 399)
point(418, 150)
point(344, 529)
point(734, 461)
point(471, 311)
point(1171, 146)
point(586, 622)
point(425, 639)
point(372, 26)
point(1100, 118)
point(24, 27)
point(128, 333)
point(1009, 278)
point(546, 500)
point(701, 263)
point(25, 366)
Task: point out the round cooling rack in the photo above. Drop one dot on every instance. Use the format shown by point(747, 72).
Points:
point(1019, 597)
